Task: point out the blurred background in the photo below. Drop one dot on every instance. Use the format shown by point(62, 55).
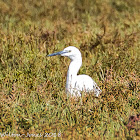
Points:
point(32, 86)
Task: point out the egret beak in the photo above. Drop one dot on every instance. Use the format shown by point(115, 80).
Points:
point(57, 53)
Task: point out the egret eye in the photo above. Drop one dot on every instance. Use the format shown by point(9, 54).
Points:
point(69, 50)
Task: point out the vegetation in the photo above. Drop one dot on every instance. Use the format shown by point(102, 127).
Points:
point(32, 86)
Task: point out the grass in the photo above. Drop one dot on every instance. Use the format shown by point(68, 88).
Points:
point(32, 86)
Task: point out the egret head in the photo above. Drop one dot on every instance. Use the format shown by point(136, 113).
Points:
point(72, 52)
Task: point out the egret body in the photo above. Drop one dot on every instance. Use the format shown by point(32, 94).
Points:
point(77, 83)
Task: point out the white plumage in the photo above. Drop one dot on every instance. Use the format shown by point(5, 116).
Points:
point(77, 83)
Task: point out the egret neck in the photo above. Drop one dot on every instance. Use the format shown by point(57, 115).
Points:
point(72, 73)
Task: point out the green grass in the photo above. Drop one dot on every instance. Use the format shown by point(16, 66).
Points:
point(32, 86)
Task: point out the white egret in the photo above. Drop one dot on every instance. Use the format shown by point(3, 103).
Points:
point(77, 83)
